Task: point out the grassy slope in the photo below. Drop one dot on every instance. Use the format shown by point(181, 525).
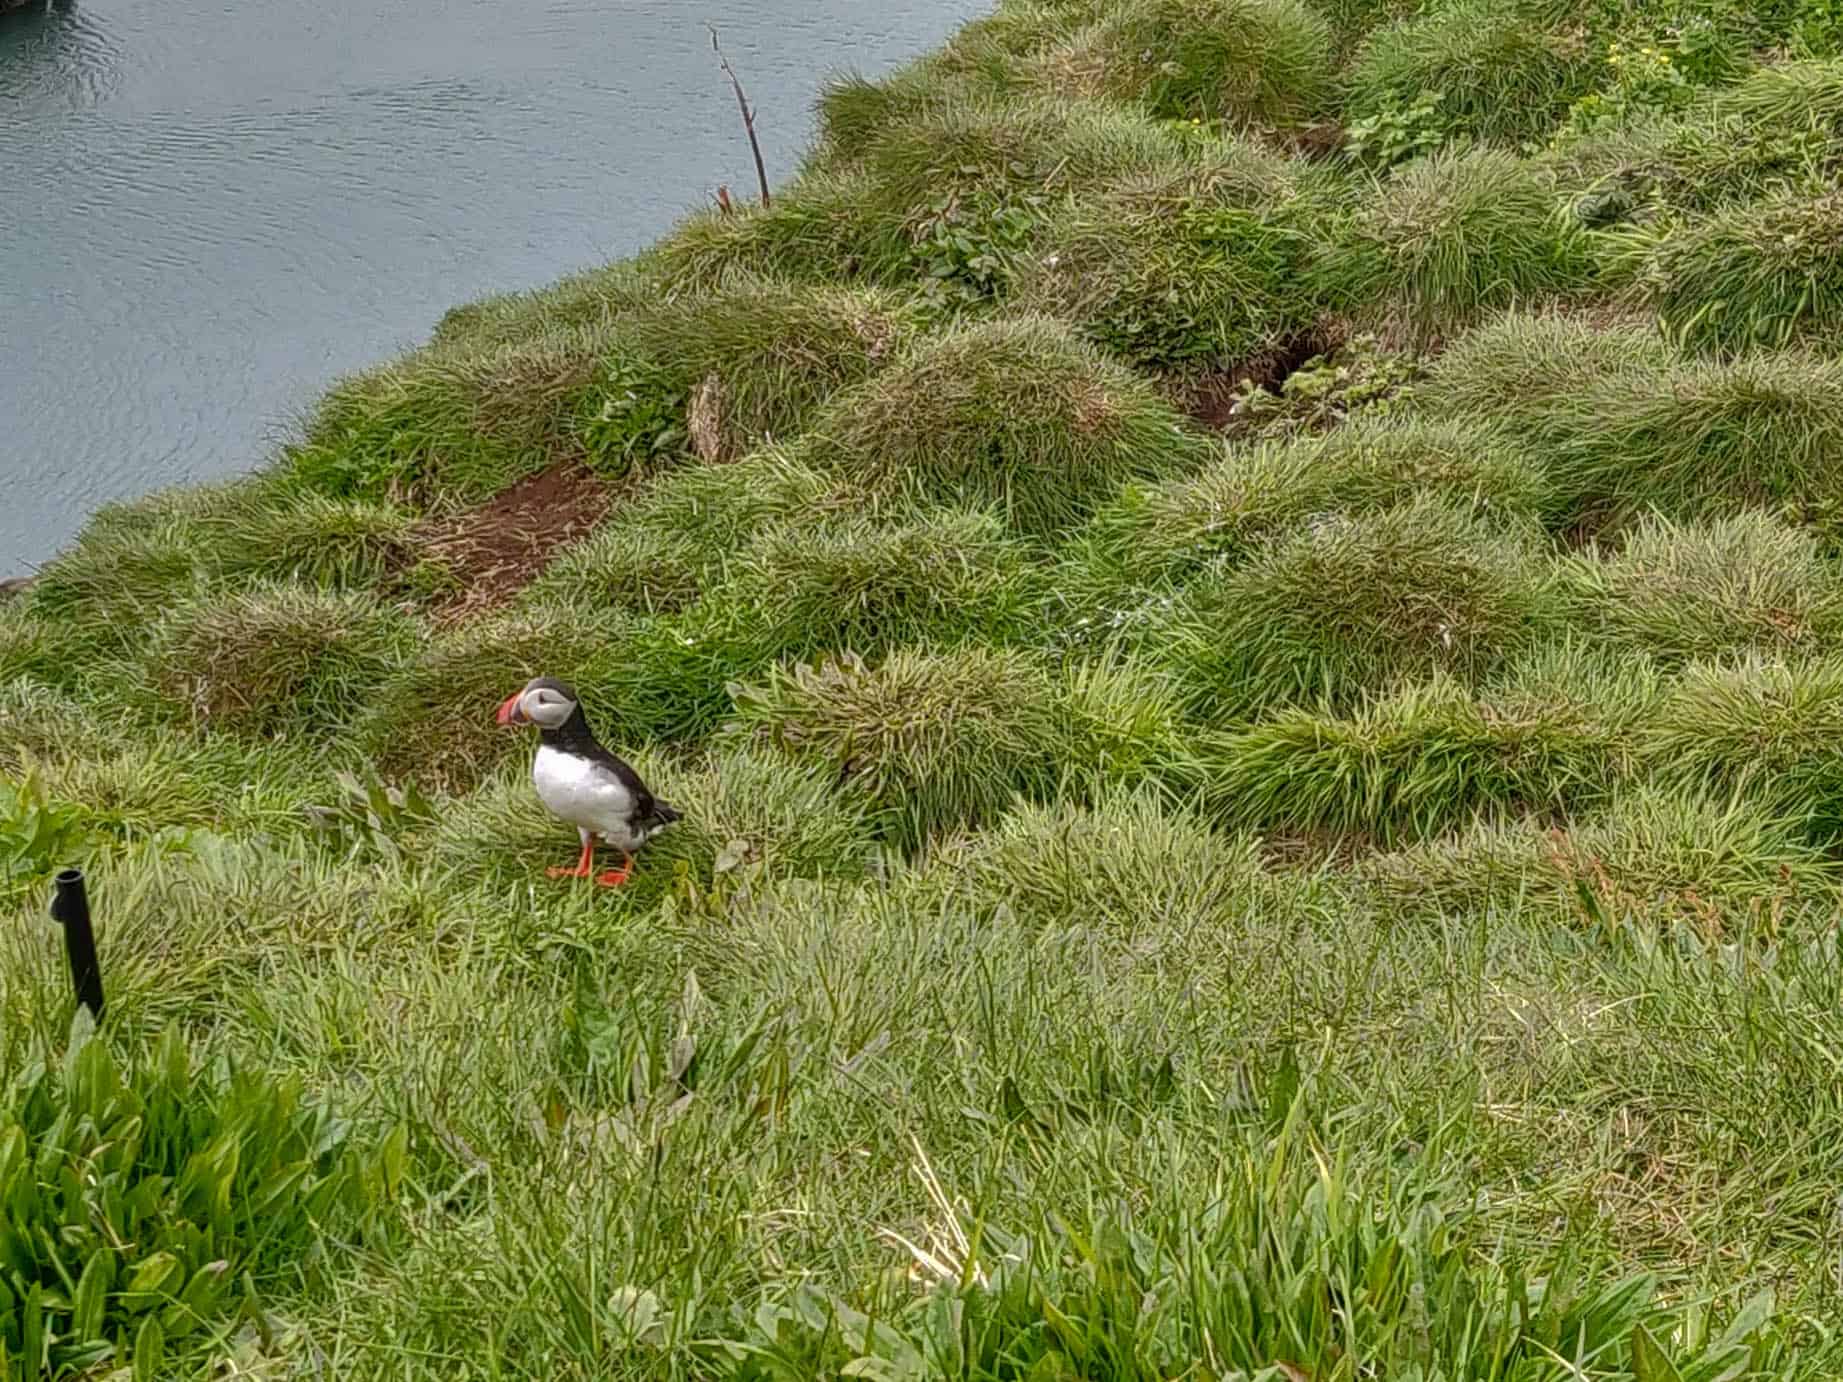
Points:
point(1350, 897)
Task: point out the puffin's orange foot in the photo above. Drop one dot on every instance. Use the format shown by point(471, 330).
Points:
point(611, 878)
point(583, 864)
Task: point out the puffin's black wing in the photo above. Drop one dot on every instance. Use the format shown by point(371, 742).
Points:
point(646, 808)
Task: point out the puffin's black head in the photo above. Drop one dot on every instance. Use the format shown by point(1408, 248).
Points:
point(544, 702)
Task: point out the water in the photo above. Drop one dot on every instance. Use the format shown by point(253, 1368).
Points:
point(209, 209)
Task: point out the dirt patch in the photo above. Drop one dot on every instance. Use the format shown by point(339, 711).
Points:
point(494, 551)
point(1212, 399)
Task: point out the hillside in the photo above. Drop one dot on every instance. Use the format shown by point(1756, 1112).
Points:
point(1244, 603)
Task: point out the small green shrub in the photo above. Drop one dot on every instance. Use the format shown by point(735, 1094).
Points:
point(149, 1203)
point(276, 660)
point(1762, 274)
point(38, 834)
point(1769, 729)
point(1250, 62)
point(1015, 414)
point(1700, 439)
point(1490, 68)
point(1746, 582)
point(754, 359)
point(1356, 377)
point(1453, 236)
point(1354, 603)
point(452, 424)
point(935, 741)
point(1170, 530)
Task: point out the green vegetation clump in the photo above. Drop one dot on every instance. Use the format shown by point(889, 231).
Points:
point(451, 425)
point(1749, 582)
point(755, 359)
point(1204, 262)
point(1350, 604)
point(934, 740)
point(275, 660)
point(1223, 511)
point(1700, 439)
point(1412, 765)
point(1489, 69)
point(1241, 603)
point(1758, 274)
point(146, 1203)
point(1016, 414)
point(1525, 369)
point(1763, 727)
point(1250, 62)
point(1452, 236)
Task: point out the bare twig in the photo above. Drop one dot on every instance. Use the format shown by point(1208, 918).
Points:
point(748, 112)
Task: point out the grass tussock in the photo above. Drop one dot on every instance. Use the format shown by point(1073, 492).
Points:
point(1453, 236)
point(1226, 510)
point(451, 425)
point(756, 359)
point(1763, 727)
point(1654, 857)
point(1749, 582)
point(270, 661)
point(1204, 262)
point(1353, 603)
point(1496, 72)
point(1246, 62)
point(1016, 414)
point(1525, 368)
point(1418, 763)
point(1765, 274)
point(935, 741)
point(1701, 438)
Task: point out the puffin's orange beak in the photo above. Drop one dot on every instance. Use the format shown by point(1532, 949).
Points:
point(509, 713)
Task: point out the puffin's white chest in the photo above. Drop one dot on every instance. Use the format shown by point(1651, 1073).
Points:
point(582, 793)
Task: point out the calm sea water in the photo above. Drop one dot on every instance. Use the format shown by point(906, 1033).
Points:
point(211, 208)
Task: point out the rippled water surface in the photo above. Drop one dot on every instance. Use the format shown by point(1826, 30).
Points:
point(211, 208)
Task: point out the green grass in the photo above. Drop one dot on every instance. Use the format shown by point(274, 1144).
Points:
point(1448, 238)
point(1016, 414)
point(1496, 72)
point(1171, 530)
point(1697, 439)
point(1196, 861)
point(1756, 275)
point(452, 424)
point(1205, 262)
point(758, 358)
point(1352, 603)
point(1745, 583)
point(1245, 62)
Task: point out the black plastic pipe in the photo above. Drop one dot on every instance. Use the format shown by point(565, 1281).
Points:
point(70, 908)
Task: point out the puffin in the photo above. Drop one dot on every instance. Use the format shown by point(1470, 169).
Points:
point(582, 782)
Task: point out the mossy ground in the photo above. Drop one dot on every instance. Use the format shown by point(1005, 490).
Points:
point(1242, 599)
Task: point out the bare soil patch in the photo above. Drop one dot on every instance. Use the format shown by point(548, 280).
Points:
point(497, 549)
